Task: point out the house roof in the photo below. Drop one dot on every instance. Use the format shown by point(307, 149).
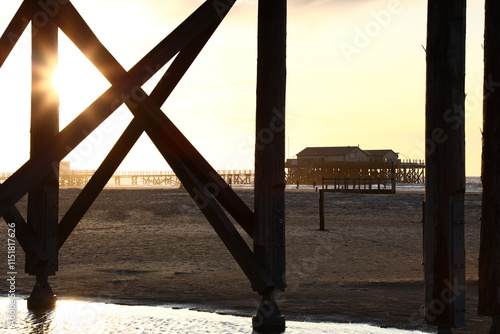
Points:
point(320, 151)
point(378, 152)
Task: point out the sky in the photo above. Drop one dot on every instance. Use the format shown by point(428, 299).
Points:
point(355, 76)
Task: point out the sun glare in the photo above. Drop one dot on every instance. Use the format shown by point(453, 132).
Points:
point(77, 82)
point(57, 80)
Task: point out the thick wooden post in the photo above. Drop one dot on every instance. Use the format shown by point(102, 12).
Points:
point(489, 255)
point(269, 232)
point(444, 256)
point(43, 198)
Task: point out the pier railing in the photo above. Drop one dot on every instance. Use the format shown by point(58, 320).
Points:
point(359, 185)
point(149, 178)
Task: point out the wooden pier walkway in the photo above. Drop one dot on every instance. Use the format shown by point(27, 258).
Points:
point(404, 173)
point(146, 178)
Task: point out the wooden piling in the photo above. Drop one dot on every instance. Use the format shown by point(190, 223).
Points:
point(444, 258)
point(321, 210)
point(43, 197)
point(269, 231)
point(489, 254)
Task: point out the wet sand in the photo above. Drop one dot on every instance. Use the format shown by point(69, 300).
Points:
point(150, 246)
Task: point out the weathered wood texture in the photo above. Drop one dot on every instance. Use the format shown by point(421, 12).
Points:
point(269, 232)
point(445, 165)
point(43, 197)
point(489, 255)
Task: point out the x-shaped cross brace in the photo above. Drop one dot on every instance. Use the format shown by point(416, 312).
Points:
point(202, 182)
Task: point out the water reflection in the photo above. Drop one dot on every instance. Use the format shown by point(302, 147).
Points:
point(39, 320)
point(83, 317)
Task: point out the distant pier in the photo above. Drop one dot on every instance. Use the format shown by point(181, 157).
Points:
point(405, 172)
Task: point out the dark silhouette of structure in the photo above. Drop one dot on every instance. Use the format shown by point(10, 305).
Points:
point(444, 254)
point(42, 235)
point(489, 254)
point(314, 164)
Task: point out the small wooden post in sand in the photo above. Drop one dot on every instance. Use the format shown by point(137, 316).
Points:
point(489, 254)
point(444, 257)
point(43, 198)
point(321, 209)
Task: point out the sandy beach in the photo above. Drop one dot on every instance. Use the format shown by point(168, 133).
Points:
point(153, 246)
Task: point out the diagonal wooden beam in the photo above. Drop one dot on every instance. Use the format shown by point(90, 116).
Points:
point(260, 280)
point(23, 180)
point(25, 236)
point(34, 169)
point(130, 136)
point(71, 22)
point(14, 30)
point(97, 182)
point(73, 25)
point(246, 259)
point(145, 109)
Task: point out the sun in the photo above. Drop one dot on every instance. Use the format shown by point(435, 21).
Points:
point(77, 82)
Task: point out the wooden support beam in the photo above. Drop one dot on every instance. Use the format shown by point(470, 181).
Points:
point(44, 196)
point(148, 112)
point(14, 30)
point(71, 22)
point(160, 129)
point(101, 176)
point(269, 198)
point(269, 231)
point(84, 38)
point(489, 254)
point(26, 237)
point(246, 259)
point(130, 136)
point(444, 257)
point(98, 181)
point(127, 87)
point(74, 133)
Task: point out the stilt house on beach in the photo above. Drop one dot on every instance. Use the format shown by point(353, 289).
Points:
point(313, 164)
